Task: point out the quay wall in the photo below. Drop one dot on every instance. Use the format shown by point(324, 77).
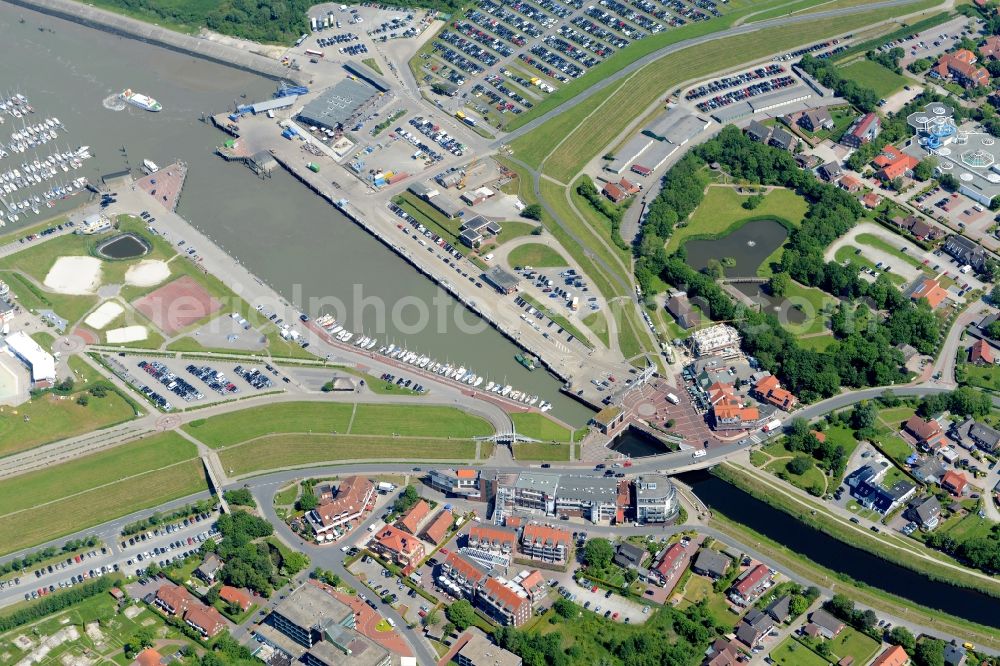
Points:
point(355, 216)
point(126, 26)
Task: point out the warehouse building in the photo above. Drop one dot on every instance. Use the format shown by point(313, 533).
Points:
point(40, 362)
point(340, 105)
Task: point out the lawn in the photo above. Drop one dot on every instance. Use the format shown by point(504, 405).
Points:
point(541, 451)
point(981, 376)
point(894, 417)
point(539, 426)
point(34, 299)
point(818, 343)
point(536, 255)
point(842, 117)
point(698, 588)
point(630, 341)
point(298, 450)
point(811, 478)
point(49, 418)
point(851, 254)
point(287, 495)
point(721, 211)
point(793, 653)
point(234, 427)
point(852, 643)
point(428, 216)
point(812, 303)
point(93, 507)
point(894, 446)
point(417, 421)
point(970, 526)
point(596, 322)
point(872, 75)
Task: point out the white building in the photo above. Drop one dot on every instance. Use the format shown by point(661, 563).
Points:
point(718, 339)
point(94, 224)
point(41, 363)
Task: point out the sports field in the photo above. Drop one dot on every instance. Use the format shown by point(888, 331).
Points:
point(297, 450)
point(97, 488)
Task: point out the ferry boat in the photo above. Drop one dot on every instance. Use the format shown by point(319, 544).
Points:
point(527, 360)
point(144, 102)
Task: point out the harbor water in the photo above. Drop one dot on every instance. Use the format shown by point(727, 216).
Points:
point(288, 237)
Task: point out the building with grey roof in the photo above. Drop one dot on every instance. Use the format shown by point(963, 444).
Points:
point(501, 280)
point(628, 153)
point(306, 613)
point(655, 499)
point(339, 105)
point(657, 154)
point(710, 563)
point(675, 126)
point(423, 190)
point(367, 75)
point(779, 98)
point(479, 651)
point(589, 497)
point(275, 104)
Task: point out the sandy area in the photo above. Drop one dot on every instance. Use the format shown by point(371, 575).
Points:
point(74, 275)
point(147, 273)
point(127, 334)
point(103, 315)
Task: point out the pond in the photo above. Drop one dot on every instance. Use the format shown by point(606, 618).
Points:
point(749, 246)
point(124, 246)
point(637, 444)
point(837, 556)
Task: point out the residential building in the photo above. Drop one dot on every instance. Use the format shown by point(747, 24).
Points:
point(821, 623)
point(980, 353)
point(754, 627)
point(865, 129)
point(353, 497)
point(614, 192)
point(925, 511)
point(479, 651)
point(731, 415)
point(849, 183)
point(780, 609)
point(205, 620)
point(629, 555)
point(670, 562)
point(209, 568)
point(955, 483)
point(960, 67)
point(758, 132)
point(506, 603)
point(456, 482)
point(592, 498)
point(492, 539)
point(871, 200)
point(893, 656)
point(402, 548)
point(234, 595)
point(437, 531)
point(893, 163)
point(711, 563)
point(461, 575)
point(929, 289)
point(414, 517)
point(830, 171)
point(751, 585)
point(174, 599)
point(985, 437)
point(954, 654)
point(680, 308)
point(929, 471)
point(307, 612)
point(722, 652)
point(881, 499)
point(927, 433)
point(966, 251)
point(783, 139)
point(529, 492)
point(655, 499)
point(545, 543)
point(768, 389)
point(149, 657)
point(814, 120)
point(990, 48)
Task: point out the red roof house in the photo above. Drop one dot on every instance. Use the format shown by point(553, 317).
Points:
point(438, 529)
point(927, 433)
point(981, 353)
point(894, 656)
point(234, 595)
point(748, 588)
point(931, 290)
point(205, 620)
point(954, 482)
point(411, 519)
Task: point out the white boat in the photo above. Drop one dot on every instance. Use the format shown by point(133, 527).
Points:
point(506, 389)
point(144, 102)
point(489, 386)
point(479, 380)
point(149, 166)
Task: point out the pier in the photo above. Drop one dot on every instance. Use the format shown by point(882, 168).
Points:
point(165, 185)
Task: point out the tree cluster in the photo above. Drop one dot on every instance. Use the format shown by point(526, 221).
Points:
point(981, 552)
point(600, 203)
point(406, 499)
point(31, 559)
point(842, 606)
point(240, 497)
point(248, 561)
point(965, 401)
point(888, 59)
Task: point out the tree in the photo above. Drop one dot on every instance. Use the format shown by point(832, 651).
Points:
point(778, 284)
point(240, 497)
point(432, 618)
point(799, 465)
point(929, 652)
point(924, 169)
point(83, 400)
point(864, 415)
point(461, 614)
point(902, 637)
point(798, 605)
point(565, 608)
point(532, 212)
point(406, 499)
point(631, 575)
point(995, 294)
point(307, 501)
point(598, 553)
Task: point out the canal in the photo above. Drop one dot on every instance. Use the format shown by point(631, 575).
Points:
point(291, 239)
point(840, 557)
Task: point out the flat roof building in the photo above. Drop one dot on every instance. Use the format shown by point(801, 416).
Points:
point(655, 498)
point(338, 105)
point(275, 104)
point(40, 362)
point(675, 126)
point(479, 651)
point(501, 280)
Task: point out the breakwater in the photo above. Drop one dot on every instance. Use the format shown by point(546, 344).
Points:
point(125, 26)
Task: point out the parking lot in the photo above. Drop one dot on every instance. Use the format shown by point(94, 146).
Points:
point(514, 52)
point(593, 598)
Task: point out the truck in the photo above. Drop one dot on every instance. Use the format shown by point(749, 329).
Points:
point(771, 426)
point(673, 399)
point(314, 53)
point(385, 487)
point(574, 305)
point(312, 166)
point(471, 122)
point(460, 115)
